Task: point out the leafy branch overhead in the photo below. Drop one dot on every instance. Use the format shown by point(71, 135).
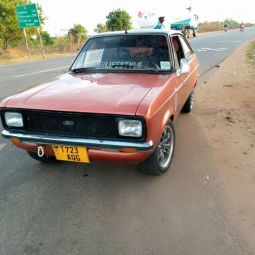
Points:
point(101, 28)
point(78, 33)
point(9, 30)
point(118, 20)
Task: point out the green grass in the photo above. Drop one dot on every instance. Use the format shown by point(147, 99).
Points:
point(251, 53)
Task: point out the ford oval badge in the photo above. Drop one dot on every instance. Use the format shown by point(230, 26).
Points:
point(68, 123)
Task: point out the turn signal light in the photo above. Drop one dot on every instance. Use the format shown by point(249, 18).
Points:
point(129, 150)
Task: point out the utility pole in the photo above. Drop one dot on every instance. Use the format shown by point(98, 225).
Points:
point(189, 8)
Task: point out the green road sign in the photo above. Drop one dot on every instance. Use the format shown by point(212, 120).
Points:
point(27, 16)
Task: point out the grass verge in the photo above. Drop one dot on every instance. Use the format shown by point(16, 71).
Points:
point(15, 56)
point(251, 54)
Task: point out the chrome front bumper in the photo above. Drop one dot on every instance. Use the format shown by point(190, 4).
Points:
point(90, 143)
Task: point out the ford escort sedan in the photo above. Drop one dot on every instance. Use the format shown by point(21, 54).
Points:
point(118, 101)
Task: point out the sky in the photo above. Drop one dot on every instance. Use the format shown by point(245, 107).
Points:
point(62, 15)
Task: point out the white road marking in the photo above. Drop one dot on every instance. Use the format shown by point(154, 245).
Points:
point(211, 49)
point(229, 41)
point(2, 146)
point(42, 71)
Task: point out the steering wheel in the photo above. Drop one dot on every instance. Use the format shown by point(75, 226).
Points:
point(123, 54)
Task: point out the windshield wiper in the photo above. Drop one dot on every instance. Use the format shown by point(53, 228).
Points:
point(125, 66)
point(151, 69)
point(148, 69)
point(128, 67)
point(83, 69)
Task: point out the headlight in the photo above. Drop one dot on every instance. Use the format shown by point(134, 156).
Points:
point(130, 128)
point(13, 119)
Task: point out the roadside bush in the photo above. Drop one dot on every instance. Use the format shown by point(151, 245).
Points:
point(210, 26)
point(217, 25)
point(61, 44)
point(1, 52)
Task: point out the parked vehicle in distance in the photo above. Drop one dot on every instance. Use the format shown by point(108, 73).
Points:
point(187, 25)
point(119, 101)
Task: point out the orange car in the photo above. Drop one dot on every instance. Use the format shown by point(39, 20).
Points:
point(118, 101)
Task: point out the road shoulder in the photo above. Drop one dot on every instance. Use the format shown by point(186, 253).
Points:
point(225, 108)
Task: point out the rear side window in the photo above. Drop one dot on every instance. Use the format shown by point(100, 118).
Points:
point(177, 50)
point(186, 49)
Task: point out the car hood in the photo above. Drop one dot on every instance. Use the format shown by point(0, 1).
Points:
point(99, 93)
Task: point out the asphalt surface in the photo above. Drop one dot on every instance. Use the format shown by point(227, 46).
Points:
point(112, 208)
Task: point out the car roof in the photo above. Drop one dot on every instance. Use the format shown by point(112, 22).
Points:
point(139, 32)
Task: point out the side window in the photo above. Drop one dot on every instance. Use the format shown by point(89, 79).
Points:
point(177, 50)
point(186, 49)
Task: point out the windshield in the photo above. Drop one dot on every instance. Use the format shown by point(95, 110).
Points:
point(125, 52)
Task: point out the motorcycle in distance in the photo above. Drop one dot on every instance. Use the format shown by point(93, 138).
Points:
point(225, 27)
point(242, 27)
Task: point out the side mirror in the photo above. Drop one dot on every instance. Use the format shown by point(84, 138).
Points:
point(184, 66)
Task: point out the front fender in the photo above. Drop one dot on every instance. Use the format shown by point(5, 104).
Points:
point(169, 114)
point(4, 102)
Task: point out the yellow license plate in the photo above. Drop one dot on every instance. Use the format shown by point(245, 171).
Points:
point(71, 153)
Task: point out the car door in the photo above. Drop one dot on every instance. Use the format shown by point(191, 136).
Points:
point(185, 81)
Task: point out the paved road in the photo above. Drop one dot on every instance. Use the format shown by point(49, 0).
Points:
point(213, 48)
point(111, 208)
point(18, 77)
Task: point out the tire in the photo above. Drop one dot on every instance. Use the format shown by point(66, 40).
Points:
point(45, 158)
point(159, 162)
point(188, 104)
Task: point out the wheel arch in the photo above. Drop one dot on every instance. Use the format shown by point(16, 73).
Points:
point(169, 115)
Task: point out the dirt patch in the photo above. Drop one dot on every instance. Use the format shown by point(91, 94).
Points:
point(225, 107)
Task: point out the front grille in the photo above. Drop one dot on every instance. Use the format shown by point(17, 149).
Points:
point(86, 125)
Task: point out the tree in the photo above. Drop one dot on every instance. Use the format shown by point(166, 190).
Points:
point(118, 20)
point(8, 22)
point(101, 28)
point(9, 30)
point(78, 34)
point(46, 38)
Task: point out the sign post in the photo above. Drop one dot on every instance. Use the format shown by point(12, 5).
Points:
point(25, 35)
point(28, 17)
point(41, 43)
